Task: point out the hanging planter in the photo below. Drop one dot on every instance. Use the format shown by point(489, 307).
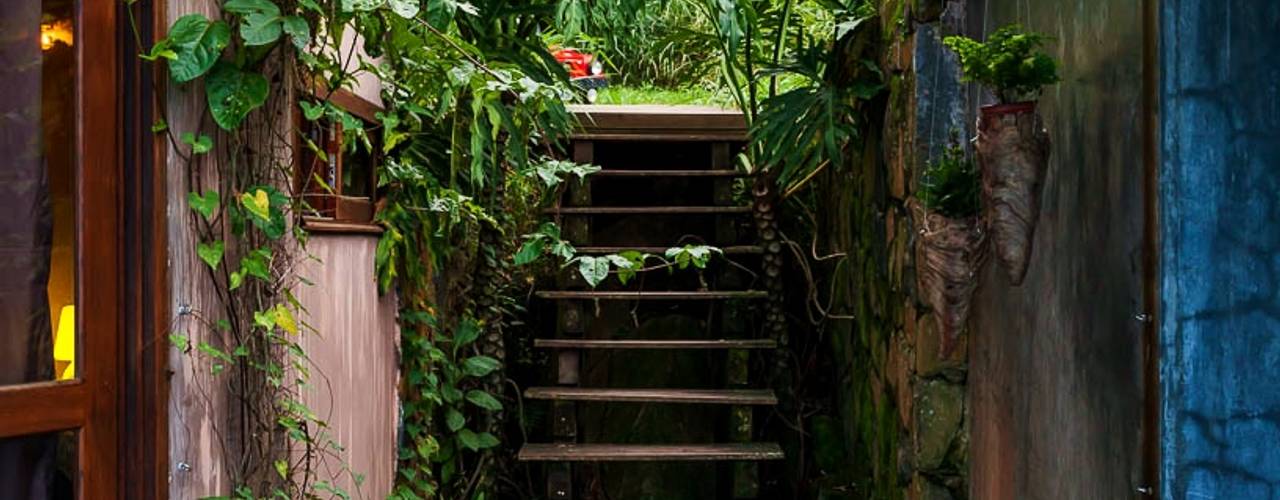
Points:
point(1013, 145)
point(1013, 150)
point(949, 249)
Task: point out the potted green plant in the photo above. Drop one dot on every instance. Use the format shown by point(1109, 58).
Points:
point(949, 250)
point(1013, 146)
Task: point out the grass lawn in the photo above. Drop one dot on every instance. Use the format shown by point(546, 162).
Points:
point(650, 95)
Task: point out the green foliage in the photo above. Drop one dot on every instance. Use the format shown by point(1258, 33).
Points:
point(1010, 63)
point(951, 185)
point(553, 172)
point(193, 46)
point(233, 93)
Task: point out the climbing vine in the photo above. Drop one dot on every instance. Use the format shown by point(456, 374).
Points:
point(474, 113)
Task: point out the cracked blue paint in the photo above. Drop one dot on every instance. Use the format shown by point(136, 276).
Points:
point(1220, 262)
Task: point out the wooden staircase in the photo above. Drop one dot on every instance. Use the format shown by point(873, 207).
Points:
point(651, 208)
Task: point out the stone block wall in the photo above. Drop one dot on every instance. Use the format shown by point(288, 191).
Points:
point(907, 404)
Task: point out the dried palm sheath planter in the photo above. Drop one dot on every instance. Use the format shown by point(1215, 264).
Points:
point(1013, 152)
point(948, 256)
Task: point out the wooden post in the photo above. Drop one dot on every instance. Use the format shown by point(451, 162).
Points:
point(571, 324)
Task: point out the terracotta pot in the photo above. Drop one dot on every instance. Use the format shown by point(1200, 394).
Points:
point(1013, 153)
point(948, 256)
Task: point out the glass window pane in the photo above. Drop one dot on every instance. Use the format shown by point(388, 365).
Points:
point(37, 191)
point(40, 467)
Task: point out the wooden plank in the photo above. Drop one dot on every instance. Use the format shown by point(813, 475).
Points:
point(356, 351)
point(731, 250)
point(655, 344)
point(659, 123)
point(686, 396)
point(645, 210)
point(648, 295)
point(567, 452)
point(315, 225)
point(668, 173)
point(42, 407)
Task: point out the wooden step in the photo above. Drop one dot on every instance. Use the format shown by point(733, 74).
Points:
point(646, 295)
point(762, 397)
point(655, 344)
point(645, 210)
point(729, 250)
point(719, 172)
point(570, 452)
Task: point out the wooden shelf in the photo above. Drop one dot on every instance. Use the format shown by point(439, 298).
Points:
point(568, 452)
point(763, 397)
point(655, 344)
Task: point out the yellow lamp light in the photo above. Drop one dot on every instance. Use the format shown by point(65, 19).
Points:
point(56, 31)
point(64, 343)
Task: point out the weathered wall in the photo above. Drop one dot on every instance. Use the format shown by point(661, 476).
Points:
point(1219, 178)
point(1056, 363)
point(902, 405)
point(353, 347)
point(354, 352)
point(197, 417)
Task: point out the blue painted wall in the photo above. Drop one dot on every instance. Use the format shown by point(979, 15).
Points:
point(1220, 239)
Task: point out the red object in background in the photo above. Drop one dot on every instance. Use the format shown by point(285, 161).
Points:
point(578, 63)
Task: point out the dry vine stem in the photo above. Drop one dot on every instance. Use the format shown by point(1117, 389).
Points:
point(948, 256)
point(1013, 150)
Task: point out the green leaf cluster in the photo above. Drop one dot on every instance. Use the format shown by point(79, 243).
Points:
point(951, 185)
point(1010, 63)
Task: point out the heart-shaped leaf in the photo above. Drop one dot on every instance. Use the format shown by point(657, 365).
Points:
point(260, 28)
point(204, 205)
point(483, 400)
point(285, 319)
point(479, 366)
point(266, 320)
point(593, 269)
point(237, 279)
point(233, 93)
point(258, 203)
point(197, 43)
point(211, 253)
point(404, 8)
point(361, 5)
point(298, 30)
point(530, 251)
point(257, 264)
point(199, 145)
point(454, 419)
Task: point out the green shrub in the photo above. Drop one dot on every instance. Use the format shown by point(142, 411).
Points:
point(950, 185)
point(1010, 63)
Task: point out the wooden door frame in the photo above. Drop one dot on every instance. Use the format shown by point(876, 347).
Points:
point(144, 402)
point(118, 405)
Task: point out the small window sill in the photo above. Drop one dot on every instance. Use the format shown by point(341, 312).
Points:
point(325, 226)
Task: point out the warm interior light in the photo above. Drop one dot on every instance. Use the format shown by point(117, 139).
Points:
point(64, 343)
point(56, 31)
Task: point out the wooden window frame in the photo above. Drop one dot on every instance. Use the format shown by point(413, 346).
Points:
point(90, 404)
point(352, 214)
